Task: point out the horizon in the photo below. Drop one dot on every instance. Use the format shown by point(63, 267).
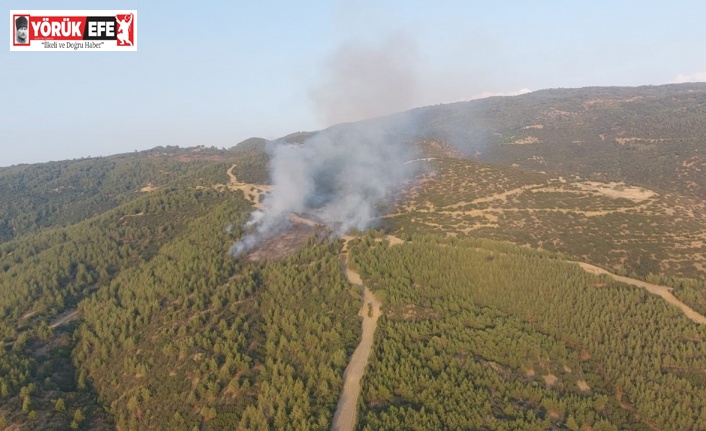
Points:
point(276, 69)
point(521, 93)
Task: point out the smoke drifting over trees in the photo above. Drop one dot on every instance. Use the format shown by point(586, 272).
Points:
point(340, 174)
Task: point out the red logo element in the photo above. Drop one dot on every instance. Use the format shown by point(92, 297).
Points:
point(126, 29)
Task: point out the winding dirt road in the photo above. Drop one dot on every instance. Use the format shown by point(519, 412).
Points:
point(655, 289)
point(251, 191)
point(345, 417)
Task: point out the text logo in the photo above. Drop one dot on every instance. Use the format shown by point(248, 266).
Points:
point(73, 30)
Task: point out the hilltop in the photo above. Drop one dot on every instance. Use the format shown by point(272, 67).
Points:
point(650, 135)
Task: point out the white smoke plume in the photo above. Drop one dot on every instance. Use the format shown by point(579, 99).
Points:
point(341, 174)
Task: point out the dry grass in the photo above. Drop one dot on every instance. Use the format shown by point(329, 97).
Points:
point(618, 190)
point(252, 192)
point(527, 140)
point(583, 386)
point(462, 197)
point(550, 379)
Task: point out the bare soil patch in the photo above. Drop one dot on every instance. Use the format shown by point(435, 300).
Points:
point(527, 140)
point(583, 386)
point(353, 277)
point(617, 190)
point(550, 379)
point(623, 141)
point(394, 240)
point(289, 241)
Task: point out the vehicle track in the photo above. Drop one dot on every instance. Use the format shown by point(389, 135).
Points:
point(345, 417)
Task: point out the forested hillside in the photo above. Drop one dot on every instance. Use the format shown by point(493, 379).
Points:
point(63, 193)
point(46, 273)
point(122, 308)
point(482, 335)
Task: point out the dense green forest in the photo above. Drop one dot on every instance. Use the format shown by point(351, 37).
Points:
point(121, 307)
point(209, 338)
point(52, 271)
point(64, 193)
point(482, 335)
point(45, 273)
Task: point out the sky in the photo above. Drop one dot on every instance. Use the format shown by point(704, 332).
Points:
point(216, 73)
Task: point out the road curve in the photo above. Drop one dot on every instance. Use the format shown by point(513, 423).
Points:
point(655, 289)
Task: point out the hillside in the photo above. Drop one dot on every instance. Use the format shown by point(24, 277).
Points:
point(64, 193)
point(122, 308)
point(626, 227)
point(651, 135)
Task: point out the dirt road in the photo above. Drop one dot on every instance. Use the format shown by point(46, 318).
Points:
point(251, 191)
point(345, 417)
point(663, 291)
point(64, 318)
point(60, 320)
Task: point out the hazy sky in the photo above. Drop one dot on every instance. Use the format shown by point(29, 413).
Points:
point(215, 73)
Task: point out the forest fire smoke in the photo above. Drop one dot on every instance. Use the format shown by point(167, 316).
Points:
point(338, 176)
point(341, 174)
